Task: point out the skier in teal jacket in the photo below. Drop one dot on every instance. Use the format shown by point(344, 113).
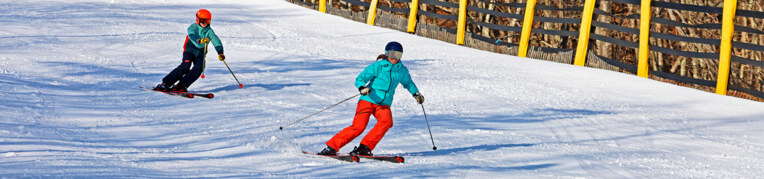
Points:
point(199, 35)
point(382, 77)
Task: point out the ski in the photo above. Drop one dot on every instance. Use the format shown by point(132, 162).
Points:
point(394, 159)
point(203, 95)
point(182, 94)
point(347, 158)
point(185, 95)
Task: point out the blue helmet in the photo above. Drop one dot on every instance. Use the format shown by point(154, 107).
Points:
point(394, 46)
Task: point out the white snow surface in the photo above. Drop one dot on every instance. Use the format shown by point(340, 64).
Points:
point(71, 107)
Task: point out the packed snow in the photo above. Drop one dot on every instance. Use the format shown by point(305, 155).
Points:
point(71, 106)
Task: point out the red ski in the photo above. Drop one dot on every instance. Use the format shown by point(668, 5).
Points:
point(185, 95)
point(394, 159)
point(347, 158)
point(182, 94)
point(203, 95)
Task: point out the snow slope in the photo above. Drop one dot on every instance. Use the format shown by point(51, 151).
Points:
point(70, 104)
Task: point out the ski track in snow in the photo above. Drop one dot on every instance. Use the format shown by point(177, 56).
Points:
point(71, 106)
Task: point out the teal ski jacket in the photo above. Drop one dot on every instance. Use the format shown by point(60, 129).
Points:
point(196, 33)
point(383, 77)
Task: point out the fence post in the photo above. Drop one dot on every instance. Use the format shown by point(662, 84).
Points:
point(372, 12)
point(460, 30)
point(412, 16)
point(530, 10)
point(583, 36)
point(644, 39)
point(725, 50)
point(322, 6)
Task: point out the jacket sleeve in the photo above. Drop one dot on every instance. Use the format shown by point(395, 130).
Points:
point(216, 41)
point(366, 75)
point(193, 36)
point(408, 83)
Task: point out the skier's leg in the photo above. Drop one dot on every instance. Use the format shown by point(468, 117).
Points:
point(362, 114)
point(384, 122)
point(178, 72)
point(195, 72)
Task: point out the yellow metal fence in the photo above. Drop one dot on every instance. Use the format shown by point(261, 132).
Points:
point(728, 13)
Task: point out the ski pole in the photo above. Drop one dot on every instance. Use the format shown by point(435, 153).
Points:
point(204, 65)
point(234, 76)
point(282, 127)
point(428, 128)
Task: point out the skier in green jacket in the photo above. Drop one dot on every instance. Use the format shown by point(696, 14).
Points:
point(199, 35)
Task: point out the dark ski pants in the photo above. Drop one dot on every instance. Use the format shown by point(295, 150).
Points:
point(362, 113)
point(184, 73)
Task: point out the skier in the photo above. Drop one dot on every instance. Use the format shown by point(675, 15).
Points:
point(382, 77)
point(194, 50)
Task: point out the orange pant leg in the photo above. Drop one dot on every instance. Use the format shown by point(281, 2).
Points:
point(384, 122)
point(362, 113)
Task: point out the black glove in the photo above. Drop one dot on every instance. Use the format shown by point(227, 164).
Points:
point(419, 98)
point(364, 90)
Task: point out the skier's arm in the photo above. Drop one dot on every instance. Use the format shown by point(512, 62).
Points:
point(408, 83)
point(216, 41)
point(366, 75)
point(193, 37)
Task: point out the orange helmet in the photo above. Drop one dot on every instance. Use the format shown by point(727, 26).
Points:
point(203, 15)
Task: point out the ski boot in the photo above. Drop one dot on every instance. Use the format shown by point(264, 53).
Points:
point(179, 88)
point(362, 150)
point(328, 151)
point(162, 87)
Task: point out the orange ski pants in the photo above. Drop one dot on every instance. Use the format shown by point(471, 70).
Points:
point(362, 113)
